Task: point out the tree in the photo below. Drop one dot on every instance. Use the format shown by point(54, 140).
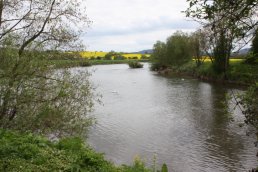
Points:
point(158, 57)
point(34, 96)
point(110, 55)
point(178, 49)
point(255, 44)
point(42, 23)
point(199, 44)
point(231, 23)
point(175, 52)
point(253, 55)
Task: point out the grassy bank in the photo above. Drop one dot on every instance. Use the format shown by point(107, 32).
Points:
point(238, 73)
point(85, 62)
point(106, 62)
point(28, 152)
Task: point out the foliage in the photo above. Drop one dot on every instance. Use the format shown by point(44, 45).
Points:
point(119, 57)
point(36, 97)
point(237, 15)
point(138, 166)
point(199, 46)
point(221, 52)
point(135, 64)
point(164, 168)
point(230, 24)
point(159, 57)
point(109, 56)
point(69, 63)
point(144, 56)
point(42, 24)
point(253, 55)
point(176, 51)
point(249, 101)
point(255, 44)
point(134, 56)
point(29, 152)
point(238, 73)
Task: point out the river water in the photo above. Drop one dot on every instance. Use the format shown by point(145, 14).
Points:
point(182, 122)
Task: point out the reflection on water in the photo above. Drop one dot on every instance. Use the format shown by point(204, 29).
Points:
point(181, 121)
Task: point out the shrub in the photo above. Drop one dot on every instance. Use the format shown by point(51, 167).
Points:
point(28, 152)
point(135, 64)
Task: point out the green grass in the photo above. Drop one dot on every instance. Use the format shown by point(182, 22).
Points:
point(85, 62)
point(104, 62)
point(69, 63)
point(239, 72)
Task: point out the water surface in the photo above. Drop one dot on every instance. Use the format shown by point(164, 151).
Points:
point(181, 121)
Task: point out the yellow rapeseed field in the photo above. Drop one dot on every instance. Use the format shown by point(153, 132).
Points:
point(89, 54)
point(207, 59)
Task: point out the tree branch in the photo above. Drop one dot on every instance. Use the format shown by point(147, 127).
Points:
point(26, 43)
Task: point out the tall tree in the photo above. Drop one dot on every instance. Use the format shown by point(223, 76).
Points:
point(175, 52)
point(232, 23)
point(178, 49)
point(255, 44)
point(200, 46)
point(158, 57)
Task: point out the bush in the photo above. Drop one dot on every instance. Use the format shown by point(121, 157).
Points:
point(98, 58)
point(92, 58)
point(138, 166)
point(157, 66)
point(28, 152)
point(135, 64)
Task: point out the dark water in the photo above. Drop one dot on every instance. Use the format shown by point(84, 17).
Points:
point(180, 121)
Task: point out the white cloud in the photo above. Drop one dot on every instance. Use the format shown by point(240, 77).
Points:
point(132, 25)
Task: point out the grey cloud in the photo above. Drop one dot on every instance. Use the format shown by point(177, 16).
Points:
point(143, 27)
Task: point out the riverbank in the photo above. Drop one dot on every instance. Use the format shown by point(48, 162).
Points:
point(29, 152)
point(239, 73)
point(84, 62)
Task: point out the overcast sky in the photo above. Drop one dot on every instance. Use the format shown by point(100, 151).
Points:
point(133, 25)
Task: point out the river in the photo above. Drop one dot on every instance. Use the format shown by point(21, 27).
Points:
point(182, 122)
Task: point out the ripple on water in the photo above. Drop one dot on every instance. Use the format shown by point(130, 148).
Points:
point(182, 122)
